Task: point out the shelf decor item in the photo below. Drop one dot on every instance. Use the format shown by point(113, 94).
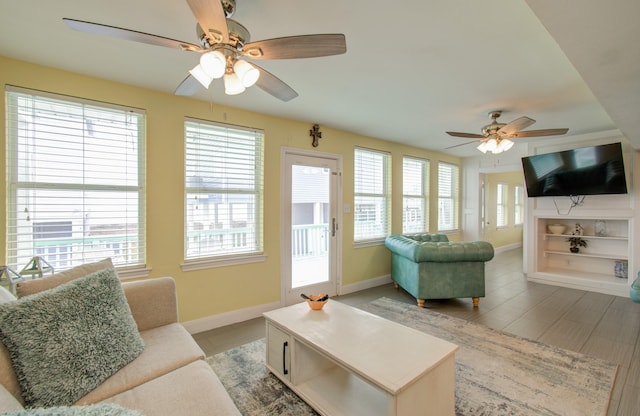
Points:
point(621, 269)
point(556, 228)
point(575, 243)
point(600, 228)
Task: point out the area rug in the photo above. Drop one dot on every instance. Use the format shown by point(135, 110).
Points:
point(496, 373)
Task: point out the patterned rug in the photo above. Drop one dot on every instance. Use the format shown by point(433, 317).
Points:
point(496, 373)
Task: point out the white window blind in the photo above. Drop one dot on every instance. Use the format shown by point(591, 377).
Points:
point(448, 196)
point(224, 190)
point(75, 178)
point(415, 202)
point(372, 195)
point(501, 205)
point(519, 205)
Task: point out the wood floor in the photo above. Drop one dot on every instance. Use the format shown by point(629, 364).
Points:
point(598, 325)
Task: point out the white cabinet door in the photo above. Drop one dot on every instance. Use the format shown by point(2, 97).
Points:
point(279, 351)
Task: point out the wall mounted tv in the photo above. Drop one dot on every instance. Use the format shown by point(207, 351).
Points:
point(594, 170)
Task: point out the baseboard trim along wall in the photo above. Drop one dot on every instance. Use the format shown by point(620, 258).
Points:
point(508, 247)
point(216, 321)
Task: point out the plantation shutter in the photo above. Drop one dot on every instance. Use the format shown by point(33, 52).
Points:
point(75, 173)
point(448, 196)
point(415, 182)
point(501, 205)
point(372, 195)
point(519, 205)
point(224, 190)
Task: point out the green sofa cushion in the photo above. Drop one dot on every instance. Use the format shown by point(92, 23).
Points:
point(66, 341)
point(103, 409)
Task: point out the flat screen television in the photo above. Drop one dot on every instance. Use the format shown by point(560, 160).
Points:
point(593, 170)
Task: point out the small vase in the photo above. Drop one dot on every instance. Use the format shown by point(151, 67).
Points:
point(574, 249)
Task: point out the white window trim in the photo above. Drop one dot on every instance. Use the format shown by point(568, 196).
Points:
point(425, 164)
point(212, 260)
point(131, 270)
point(455, 199)
point(387, 195)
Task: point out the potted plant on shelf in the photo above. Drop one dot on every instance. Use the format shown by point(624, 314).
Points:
point(575, 243)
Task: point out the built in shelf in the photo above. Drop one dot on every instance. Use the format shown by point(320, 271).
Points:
point(594, 267)
point(592, 255)
point(594, 278)
point(588, 237)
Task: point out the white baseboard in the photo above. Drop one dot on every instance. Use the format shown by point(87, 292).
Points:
point(216, 321)
point(366, 284)
point(228, 318)
point(508, 247)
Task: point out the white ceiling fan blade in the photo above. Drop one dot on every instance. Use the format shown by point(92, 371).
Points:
point(128, 34)
point(516, 125)
point(211, 18)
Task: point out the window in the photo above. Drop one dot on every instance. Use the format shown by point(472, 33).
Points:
point(447, 197)
point(372, 194)
point(415, 203)
point(519, 205)
point(224, 190)
point(75, 180)
point(501, 205)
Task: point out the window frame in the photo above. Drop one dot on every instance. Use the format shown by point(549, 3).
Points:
point(80, 126)
point(255, 238)
point(502, 205)
point(384, 209)
point(518, 207)
point(422, 195)
point(453, 196)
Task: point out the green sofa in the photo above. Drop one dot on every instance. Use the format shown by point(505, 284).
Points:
point(429, 266)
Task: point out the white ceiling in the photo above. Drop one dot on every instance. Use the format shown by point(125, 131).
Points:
point(413, 68)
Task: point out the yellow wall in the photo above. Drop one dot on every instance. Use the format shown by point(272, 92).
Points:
point(213, 291)
point(511, 234)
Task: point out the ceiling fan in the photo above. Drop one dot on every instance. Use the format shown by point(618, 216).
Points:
point(226, 50)
point(495, 137)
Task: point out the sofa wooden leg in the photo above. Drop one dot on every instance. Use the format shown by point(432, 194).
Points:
point(476, 301)
point(395, 285)
point(421, 303)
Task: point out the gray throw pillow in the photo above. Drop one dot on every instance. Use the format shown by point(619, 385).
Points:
point(102, 409)
point(66, 341)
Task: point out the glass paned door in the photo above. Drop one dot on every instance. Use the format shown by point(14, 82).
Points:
point(311, 226)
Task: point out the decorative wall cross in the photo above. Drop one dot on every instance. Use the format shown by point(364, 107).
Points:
point(316, 134)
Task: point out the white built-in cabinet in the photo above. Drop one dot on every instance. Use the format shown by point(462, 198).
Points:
point(594, 267)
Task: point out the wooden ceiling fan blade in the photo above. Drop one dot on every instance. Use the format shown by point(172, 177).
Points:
point(188, 86)
point(516, 125)
point(461, 144)
point(211, 18)
point(467, 135)
point(537, 133)
point(128, 34)
point(274, 85)
point(292, 47)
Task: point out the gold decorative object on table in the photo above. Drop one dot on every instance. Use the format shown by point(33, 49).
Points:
point(316, 302)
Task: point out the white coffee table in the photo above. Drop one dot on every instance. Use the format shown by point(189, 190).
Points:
point(344, 361)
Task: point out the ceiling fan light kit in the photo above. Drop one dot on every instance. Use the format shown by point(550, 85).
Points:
point(495, 137)
point(224, 45)
point(232, 84)
point(214, 64)
point(246, 72)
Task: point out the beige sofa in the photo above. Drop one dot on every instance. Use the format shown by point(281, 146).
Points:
point(170, 377)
